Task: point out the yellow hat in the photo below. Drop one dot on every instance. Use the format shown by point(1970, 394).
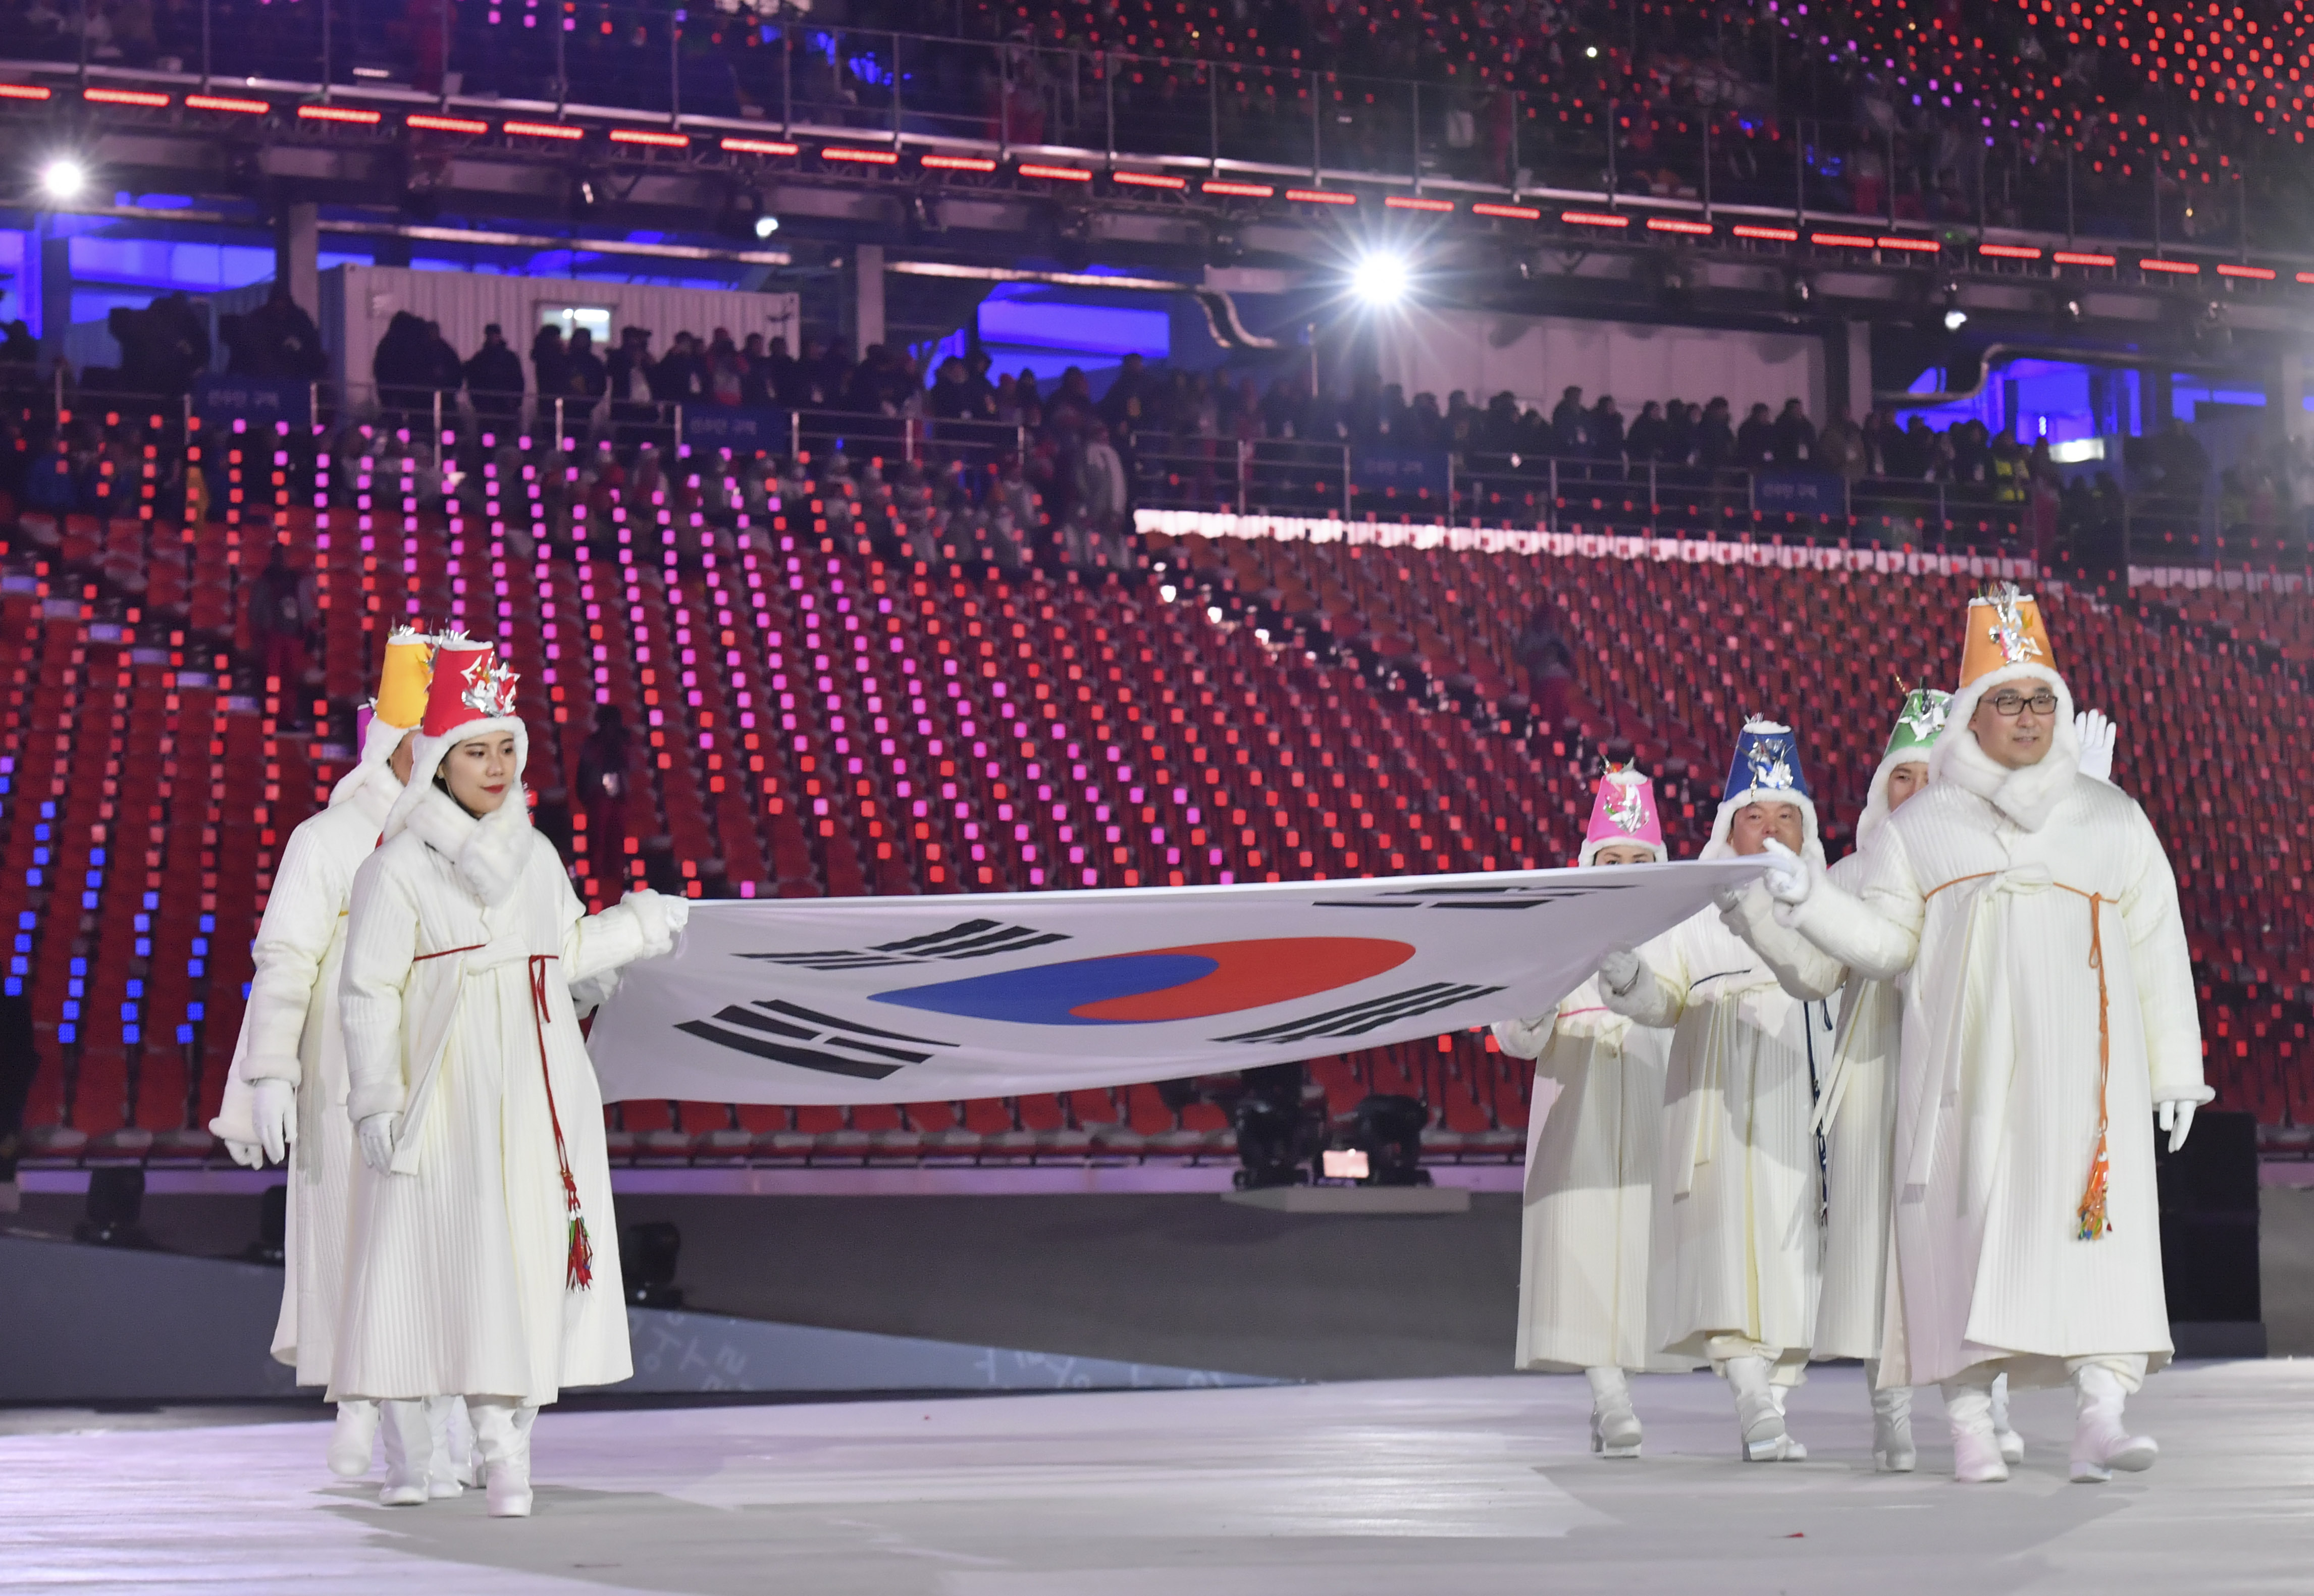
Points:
point(401, 685)
point(2005, 630)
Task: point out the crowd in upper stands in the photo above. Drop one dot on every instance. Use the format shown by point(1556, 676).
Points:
point(1899, 102)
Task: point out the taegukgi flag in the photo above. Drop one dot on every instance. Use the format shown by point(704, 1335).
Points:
point(915, 999)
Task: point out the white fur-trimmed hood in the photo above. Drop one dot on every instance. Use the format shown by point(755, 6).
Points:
point(489, 852)
point(2030, 796)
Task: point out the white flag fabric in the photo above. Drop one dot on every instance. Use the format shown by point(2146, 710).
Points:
point(922, 999)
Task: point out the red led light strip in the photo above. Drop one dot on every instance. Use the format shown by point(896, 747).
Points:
point(1242, 191)
point(337, 113)
point(252, 107)
point(2008, 252)
point(1771, 235)
point(1147, 179)
point(665, 141)
point(1918, 246)
point(23, 92)
point(1674, 225)
point(2071, 258)
point(837, 152)
point(1066, 174)
point(1592, 218)
point(1317, 196)
point(759, 146)
point(960, 164)
point(542, 130)
point(447, 124)
point(1516, 213)
point(2257, 274)
point(123, 97)
point(1414, 202)
point(1841, 240)
point(2184, 268)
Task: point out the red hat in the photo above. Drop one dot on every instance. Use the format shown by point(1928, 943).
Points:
point(471, 695)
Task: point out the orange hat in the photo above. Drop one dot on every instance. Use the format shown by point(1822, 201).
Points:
point(2004, 629)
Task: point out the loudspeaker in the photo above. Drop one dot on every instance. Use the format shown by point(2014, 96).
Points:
point(2209, 1237)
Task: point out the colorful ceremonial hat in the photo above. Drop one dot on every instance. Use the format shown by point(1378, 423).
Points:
point(1623, 813)
point(2005, 630)
point(471, 694)
point(1766, 768)
point(401, 683)
point(1917, 724)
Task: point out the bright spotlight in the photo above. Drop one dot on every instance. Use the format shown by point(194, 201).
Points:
point(1378, 279)
point(1167, 592)
point(63, 178)
point(766, 225)
point(1955, 320)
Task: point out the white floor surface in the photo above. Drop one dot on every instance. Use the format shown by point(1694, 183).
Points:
point(1467, 1488)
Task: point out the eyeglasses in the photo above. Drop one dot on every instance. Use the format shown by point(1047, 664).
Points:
point(2007, 704)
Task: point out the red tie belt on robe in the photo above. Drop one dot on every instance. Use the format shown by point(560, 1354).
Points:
point(578, 1265)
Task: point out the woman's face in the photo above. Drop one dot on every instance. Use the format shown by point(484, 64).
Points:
point(481, 772)
point(1623, 853)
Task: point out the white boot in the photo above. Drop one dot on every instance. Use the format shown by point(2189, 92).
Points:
point(2012, 1444)
point(2100, 1445)
point(353, 1439)
point(1794, 1452)
point(450, 1470)
point(502, 1433)
point(1976, 1454)
point(1614, 1427)
point(409, 1455)
point(1893, 1451)
point(1759, 1420)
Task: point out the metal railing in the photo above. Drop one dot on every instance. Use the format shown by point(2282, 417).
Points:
point(739, 69)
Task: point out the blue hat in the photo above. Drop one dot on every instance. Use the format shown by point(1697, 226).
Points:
point(1766, 766)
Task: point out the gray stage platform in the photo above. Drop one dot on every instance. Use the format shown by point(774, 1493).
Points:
point(1473, 1488)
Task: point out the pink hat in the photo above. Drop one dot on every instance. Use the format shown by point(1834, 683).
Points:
point(1624, 812)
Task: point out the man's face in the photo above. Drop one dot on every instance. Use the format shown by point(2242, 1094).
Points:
point(1904, 781)
point(2015, 720)
point(1623, 853)
point(1755, 823)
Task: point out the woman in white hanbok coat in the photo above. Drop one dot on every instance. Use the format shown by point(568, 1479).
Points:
point(2049, 1010)
point(284, 1097)
point(1738, 1189)
point(1593, 1132)
point(485, 1256)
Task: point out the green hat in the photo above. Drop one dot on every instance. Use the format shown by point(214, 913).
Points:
point(1917, 722)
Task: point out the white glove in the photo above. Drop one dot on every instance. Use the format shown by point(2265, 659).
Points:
point(376, 1133)
point(1728, 898)
point(2177, 1119)
point(1619, 970)
point(247, 1154)
point(2097, 735)
point(273, 1113)
point(677, 910)
point(1789, 881)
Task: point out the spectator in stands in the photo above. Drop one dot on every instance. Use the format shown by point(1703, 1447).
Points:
point(1837, 449)
point(1606, 427)
point(163, 347)
point(549, 361)
point(585, 381)
point(276, 339)
point(1795, 444)
point(403, 369)
point(1648, 437)
point(602, 785)
point(634, 383)
point(282, 612)
point(1570, 425)
point(951, 396)
point(494, 378)
point(680, 375)
point(1680, 423)
point(1715, 437)
point(725, 378)
point(1103, 490)
point(1122, 409)
point(445, 371)
point(1755, 440)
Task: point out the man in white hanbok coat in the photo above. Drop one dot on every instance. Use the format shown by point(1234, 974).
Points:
point(1738, 1191)
point(2049, 1011)
point(1590, 1163)
point(485, 1254)
point(284, 1096)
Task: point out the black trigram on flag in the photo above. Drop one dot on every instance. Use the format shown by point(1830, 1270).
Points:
point(790, 1033)
point(974, 939)
point(1515, 896)
point(1358, 1019)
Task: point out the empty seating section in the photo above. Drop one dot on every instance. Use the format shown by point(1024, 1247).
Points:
point(814, 715)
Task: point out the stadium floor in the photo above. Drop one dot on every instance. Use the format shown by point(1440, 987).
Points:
point(1471, 1486)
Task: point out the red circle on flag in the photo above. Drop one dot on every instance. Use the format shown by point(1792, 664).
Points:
point(1253, 974)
